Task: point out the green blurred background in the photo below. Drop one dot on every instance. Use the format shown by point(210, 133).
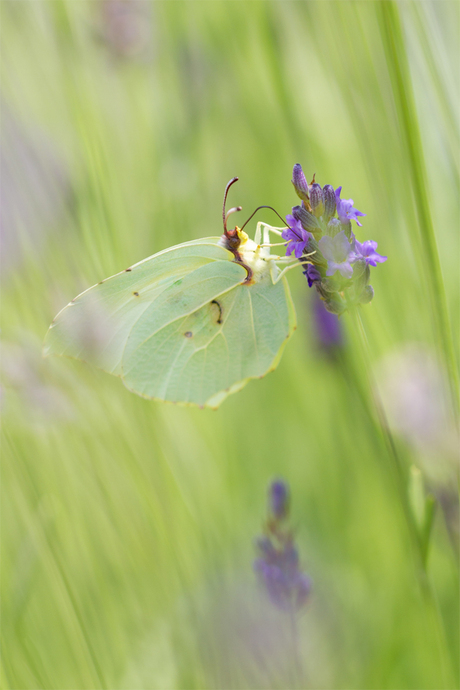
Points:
point(128, 525)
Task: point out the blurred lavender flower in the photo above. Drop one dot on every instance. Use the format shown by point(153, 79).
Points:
point(328, 329)
point(339, 268)
point(296, 237)
point(345, 210)
point(278, 562)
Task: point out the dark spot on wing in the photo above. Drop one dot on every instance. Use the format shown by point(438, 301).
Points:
point(128, 269)
point(219, 306)
point(136, 294)
point(188, 334)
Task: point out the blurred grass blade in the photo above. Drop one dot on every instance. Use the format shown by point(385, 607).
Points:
point(402, 88)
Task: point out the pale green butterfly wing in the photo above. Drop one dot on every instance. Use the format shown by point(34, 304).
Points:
point(94, 327)
point(214, 351)
point(179, 326)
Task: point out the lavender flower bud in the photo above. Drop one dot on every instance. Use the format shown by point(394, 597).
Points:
point(307, 220)
point(367, 295)
point(300, 182)
point(278, 500)
point(316, 258)
point(329, 285)
point(334, 227)
point(334, 305)
point(329, 202)
point(324, 294)
point(361, 276)
point(316, 199)
point(346, 227)
point(359, 267)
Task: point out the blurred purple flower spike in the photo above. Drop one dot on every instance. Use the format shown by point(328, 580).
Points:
point(278, 562)
point(328, 329)
point(345, 210)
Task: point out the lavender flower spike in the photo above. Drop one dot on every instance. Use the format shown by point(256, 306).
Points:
point(366, 251)
point(345, 210)
point(296, 237)
point(339, 253)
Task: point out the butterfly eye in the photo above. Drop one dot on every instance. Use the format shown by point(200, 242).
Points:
point(230, 240)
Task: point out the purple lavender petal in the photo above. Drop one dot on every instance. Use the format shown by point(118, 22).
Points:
point(338, 252)
point(366, 251)
point(312, 274)
point(345, 210)
point(296, 237)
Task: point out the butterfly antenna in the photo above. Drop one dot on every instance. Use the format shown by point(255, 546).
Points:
point(238, 208)
point(258, 209)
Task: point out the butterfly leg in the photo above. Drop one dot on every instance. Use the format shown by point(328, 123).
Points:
point(265, 233)
point(275, 231)
point(258, 235)
point(288, 268)
point(275, 262)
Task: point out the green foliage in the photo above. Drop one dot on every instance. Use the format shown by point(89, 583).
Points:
point(127, 524)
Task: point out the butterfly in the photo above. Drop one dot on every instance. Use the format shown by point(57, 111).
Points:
point(189, 325)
